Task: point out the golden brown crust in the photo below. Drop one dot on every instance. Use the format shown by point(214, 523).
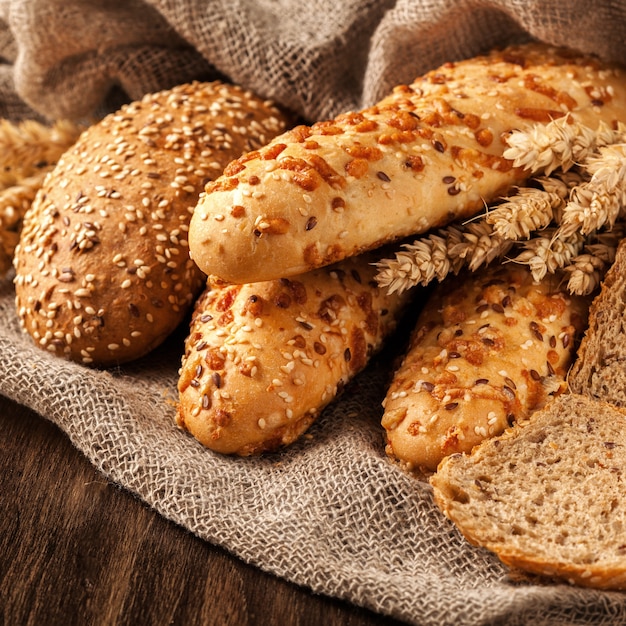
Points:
point(263, 359)
point(489, 348)
point(428, 153)
point(103, 272)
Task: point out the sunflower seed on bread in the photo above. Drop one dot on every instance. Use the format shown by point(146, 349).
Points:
point(547, 496)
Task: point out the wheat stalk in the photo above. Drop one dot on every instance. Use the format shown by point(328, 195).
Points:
point(529, 210)
point(585, 274)
point(15, 200)
point(586, 270)
point(599, 201)
point(30, 145)
point(437, 255)
point(28, 152)
point(560, 144)
point(570, 218)
point(416, 263)
point(477, 244)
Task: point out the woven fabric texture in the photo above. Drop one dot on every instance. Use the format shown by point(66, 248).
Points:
point(331, 512)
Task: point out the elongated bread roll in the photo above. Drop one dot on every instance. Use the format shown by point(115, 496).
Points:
point(489, 348)
point(103, 272)
point(429, 153)
point(262, 360)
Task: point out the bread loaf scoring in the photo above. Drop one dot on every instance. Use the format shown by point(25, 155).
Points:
point(263, 359)
point(429, 153)
point(489, 348)
point(103, 272)
point(548, 495)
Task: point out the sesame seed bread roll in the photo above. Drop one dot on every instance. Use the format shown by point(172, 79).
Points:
point(263, 359)
point(489, 348)
point(429, 153)
point(103, 272)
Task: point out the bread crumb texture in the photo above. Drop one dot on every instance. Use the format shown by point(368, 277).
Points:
point(599, 369)
point(103, 272)
point(548, 495)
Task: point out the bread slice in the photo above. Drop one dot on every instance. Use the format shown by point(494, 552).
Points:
point(547, 496)
point(600, 366)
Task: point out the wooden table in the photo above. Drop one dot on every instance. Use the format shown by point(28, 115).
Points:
point(78, 549)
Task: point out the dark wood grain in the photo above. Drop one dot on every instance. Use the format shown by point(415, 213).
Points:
point(78, 549)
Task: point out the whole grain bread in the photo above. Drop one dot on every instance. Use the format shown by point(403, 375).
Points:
point(600, 366)
point(547, 496)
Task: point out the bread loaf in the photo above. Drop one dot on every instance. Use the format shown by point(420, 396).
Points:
point(103, 272)
point(263, 359)
point(489, 348)
point(428, 153)
point(599, 370)
point(548, 495)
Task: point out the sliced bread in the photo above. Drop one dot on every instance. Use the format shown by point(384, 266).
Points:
point(600, 366)
point(547, 496)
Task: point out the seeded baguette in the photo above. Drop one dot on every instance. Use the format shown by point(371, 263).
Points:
point(429, 153)
point(548, 495)
point(262, 360)
point(103, 272)
point(489, 348)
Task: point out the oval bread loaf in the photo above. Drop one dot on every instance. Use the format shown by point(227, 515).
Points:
point(263, 359)
point(103, 272)
point(429, 153)
point(489, 348)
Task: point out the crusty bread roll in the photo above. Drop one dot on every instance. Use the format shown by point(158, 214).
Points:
point(429, 153)
point(263, 359)
point(103, 272)
point(548, 495)
point(489, 348)
point(599, 370)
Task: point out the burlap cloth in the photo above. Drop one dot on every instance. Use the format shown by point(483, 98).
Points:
point(331, 513)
